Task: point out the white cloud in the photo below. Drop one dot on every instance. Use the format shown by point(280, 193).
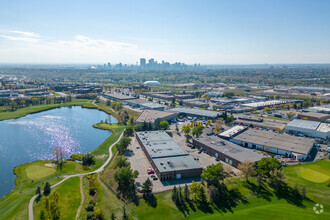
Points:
point(25, 34)
point(80, 49)
point(21, 36)
point(15, 38)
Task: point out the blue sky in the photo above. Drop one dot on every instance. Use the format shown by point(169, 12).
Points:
point(204, 31)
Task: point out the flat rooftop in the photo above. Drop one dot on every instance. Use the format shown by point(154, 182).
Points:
point(232, 131)
point(286, 142)
point(119, 96)
point(314, 114)
point(193, 111)
point(234, 151)
point(264, 124)
point(176, 163)
point(151, 105)
point(299, 123)
point(152, 115)
point(159, 144)
point(265, 103)
point(324, 127)
point(138, 101)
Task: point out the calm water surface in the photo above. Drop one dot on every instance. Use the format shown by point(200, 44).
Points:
point(34, 137)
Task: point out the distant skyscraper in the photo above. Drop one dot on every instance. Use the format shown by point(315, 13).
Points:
point(151, 63)
point(142, 62)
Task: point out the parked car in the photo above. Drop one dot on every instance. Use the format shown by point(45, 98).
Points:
point(151, 171)
point(155, 178)
point(152, 176)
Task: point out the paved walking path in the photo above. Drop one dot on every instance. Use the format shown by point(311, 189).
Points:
point(31, 217)
point(82, 198)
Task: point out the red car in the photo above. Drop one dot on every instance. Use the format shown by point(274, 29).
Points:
point(151, 171)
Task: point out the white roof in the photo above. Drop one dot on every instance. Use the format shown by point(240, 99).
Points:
point(299, 123)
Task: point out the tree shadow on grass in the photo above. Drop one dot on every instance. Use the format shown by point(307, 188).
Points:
point(204, 207)
point(259, 191)
point(182, 207)
point(230, 199)
point(291, 195)
point(150, 200)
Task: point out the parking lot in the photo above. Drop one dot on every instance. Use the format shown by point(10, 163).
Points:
point(202, 158)
point(140, 162)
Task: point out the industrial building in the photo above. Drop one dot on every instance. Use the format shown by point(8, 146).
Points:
point(167, 158)
point(154, 117)
point(274, 126)
point(260, 105)
point(319, 109)
point(272, 142)
point(200, 113)
point(314, 116)
point(226, 151)
point(309, 128)
point(199, 103)
point(118, 97)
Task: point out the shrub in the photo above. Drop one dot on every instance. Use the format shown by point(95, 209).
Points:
point(92, 191)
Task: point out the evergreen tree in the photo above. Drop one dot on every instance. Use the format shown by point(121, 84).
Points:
point(186, 192)
point(47, 189)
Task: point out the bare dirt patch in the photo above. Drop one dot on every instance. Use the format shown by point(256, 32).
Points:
point(52, 165)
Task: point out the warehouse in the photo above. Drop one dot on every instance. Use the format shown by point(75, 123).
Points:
point(153, 106)
point(200, 113)
point(226, 151)
point(118, 97)
point(260, 105)
point(167, 158)
point(195, 103)
point(269, 125)
point(154, 117)
point(314, 116)
point(319, 109)
point(272, 142)
point(136, 102)
point(309, 128)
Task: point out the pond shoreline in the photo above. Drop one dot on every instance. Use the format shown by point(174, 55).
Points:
point(82, 105)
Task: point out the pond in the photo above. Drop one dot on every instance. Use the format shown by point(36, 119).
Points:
point(33, 137)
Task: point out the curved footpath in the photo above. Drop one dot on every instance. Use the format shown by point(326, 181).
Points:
point(31, 217)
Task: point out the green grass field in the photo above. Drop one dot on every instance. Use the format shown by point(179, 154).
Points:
point(256, 207)
point(35, 172)
point(103, 149)
point(313, 175)
point(69, 199)
point(37, 108)
point(15, 204)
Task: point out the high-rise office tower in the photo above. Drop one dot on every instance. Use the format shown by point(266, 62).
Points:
point(142, 62)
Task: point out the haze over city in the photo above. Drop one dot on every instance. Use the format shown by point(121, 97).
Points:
point(212, 32)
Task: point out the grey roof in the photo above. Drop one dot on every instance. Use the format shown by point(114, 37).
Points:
point(118, 96)
point(232, 150)
point(176, 163)
point(166, 154)
point(299, 123)
point(138, 101)
point(153, 115)
point(152, 105)
point(286, 142)
point(159, 144)
point(193, 111)
point(265, 124)
point(313, 114)
point(232, 131)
